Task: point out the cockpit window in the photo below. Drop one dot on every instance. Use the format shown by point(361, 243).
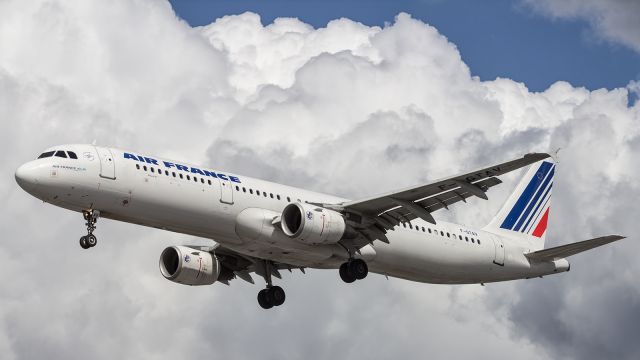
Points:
point(61, 154)
point(46, 154)
point(72, 155)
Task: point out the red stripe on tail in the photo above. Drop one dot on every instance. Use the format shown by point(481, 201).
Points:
point(542, 225)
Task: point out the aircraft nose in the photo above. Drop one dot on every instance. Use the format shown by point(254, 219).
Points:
point(26, 176)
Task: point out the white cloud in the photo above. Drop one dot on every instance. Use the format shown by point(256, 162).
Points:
point(347, 109)
point(613, 20)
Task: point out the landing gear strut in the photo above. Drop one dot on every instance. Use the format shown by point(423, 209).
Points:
point(272, 295)
point(354, 269)
point(91, 217)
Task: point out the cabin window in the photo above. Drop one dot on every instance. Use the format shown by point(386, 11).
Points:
point(250, 191)
point(166, 172)
point(448, 235)
point(441, 233)
point(72, 155)
point(265, 194)
point(288, 199)
point(195, 179)
point(244, 189)
point(423, 230)
point(473, 241)
point(460, 236)
point(61, 154)
point(144, 168)
point(429, 230)
point(466, 238)
point(478, 241)
point(258, 192)
point(173, 173)
point(138, 166)
point(181, 176)
point(202, 180)
point(271, 195)
point(278, 197)
point(209, 182)
point(237, 187)
point(152, 170)
point(188, 177)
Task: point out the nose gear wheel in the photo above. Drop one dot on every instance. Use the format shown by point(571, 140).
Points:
point(90, 240)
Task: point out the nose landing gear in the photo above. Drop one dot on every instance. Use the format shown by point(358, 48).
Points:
point(90, 240)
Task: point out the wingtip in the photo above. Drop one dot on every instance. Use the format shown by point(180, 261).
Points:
point(537, 156)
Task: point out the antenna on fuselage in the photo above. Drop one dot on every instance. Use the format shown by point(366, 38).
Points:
point(94, 142)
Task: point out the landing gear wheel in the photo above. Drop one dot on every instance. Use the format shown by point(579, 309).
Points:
point(91, 240)
point(83, 242)
point(265, 299)
point(272, 295)
point(358, 268)
point(277, 295)
point(91, 217)
point(345, 274)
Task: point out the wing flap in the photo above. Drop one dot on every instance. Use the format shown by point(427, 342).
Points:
point(564, 251)
point(406, 211)
point(463, 183)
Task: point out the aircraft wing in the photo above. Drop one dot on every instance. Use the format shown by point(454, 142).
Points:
point(235, 265)
point(564, 251)
point(388, 210)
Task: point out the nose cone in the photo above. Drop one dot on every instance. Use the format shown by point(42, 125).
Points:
point(26, 176)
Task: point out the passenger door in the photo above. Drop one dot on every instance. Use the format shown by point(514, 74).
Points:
point(226, 191)
point(107, 165)
point(499, 254)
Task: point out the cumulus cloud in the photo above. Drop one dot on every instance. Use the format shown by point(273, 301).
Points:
point(346, 109)
point(613, 20)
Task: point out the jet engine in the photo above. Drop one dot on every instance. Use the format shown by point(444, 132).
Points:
point(312, 224)
point(188, 266)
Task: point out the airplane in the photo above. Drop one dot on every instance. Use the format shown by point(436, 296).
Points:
point(265, 228)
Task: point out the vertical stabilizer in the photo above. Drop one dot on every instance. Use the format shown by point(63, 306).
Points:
point(525, 214)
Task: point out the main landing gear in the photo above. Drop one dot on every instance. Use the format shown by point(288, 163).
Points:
point(272, 295)
point(91, 217)
point(354, 269)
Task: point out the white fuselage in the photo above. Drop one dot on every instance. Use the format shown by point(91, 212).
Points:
point(170, 195)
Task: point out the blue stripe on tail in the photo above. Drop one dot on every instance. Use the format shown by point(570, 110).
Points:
point(535, 201)
point(532, 187)
point(535, 213)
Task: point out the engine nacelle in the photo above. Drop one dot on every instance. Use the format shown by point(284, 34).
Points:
point(188, 266)
point(312, 224)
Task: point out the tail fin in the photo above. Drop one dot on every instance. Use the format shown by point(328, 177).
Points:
point(526, 213)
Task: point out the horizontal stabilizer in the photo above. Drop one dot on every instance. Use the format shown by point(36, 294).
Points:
point(563, 251)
